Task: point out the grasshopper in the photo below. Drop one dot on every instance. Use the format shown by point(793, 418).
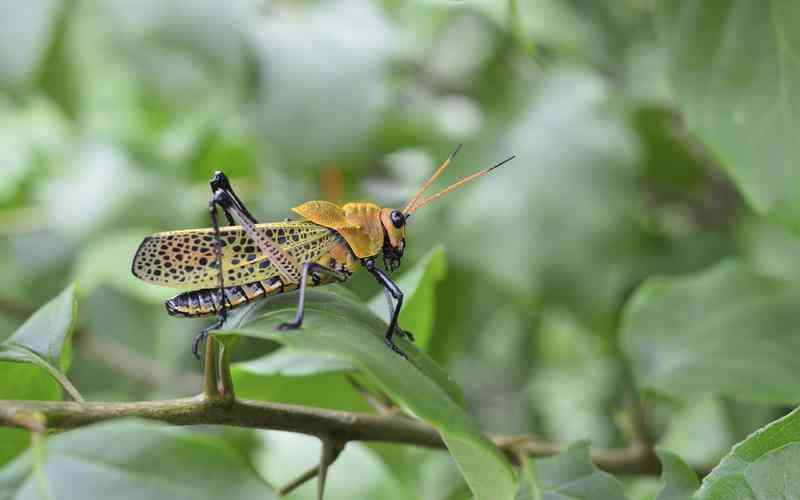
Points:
point(221, 268)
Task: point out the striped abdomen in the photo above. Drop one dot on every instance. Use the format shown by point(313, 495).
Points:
point(206, 302)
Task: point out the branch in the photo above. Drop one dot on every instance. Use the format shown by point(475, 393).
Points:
point(324, 424)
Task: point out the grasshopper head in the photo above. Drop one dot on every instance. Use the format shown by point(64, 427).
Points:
point(394, 244)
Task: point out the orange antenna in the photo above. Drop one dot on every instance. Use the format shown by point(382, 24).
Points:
point(451, 187)
point(427, 184)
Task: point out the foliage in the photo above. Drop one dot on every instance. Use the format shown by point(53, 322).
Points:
point(71, 464)
point(680, 482)
point(742, 106)
point(571, 474)
point(33, 361)
point(630, 278)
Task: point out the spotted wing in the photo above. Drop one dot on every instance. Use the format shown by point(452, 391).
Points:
point(185, 259)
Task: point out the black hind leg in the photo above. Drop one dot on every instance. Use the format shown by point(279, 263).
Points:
point(220, 187)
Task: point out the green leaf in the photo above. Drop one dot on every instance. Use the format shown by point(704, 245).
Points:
point(771, 249)
point(733, 66)
point(347, 330)
point(572, 475)
point(128, 459)
point(44, 339)
point(32, 362)
point(292, 377)
point(680, 481)
point(25, 382)
point(765, 465)
point(419, 303)
point(727, 330)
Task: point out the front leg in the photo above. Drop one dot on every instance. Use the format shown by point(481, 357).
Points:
point(308, 267)
point(390, 303)
point(395, 292)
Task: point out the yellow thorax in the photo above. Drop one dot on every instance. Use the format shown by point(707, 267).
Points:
point(358, 222)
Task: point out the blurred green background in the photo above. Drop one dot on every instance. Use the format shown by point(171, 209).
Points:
point(114, 114)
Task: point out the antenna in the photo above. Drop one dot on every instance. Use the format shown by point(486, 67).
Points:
point(414, 205)
point(427, 184)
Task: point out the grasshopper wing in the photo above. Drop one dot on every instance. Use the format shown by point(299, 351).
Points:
point(186, 259)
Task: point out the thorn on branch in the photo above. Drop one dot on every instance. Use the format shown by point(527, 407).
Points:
point(210, 392)
point(224, 379)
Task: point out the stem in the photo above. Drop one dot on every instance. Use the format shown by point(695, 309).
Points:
point(63, 381)
point(210, 391)
point(345, 426)
point(527, 475)
point(37, 448)
point(65, 384)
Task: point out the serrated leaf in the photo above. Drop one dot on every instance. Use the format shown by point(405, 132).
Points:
point(572, 475)
point(347, 330)
point(727, 330)
point(733, 66)
point(132, 459)
point(680, 481)
point(765, 465)
point(419, 304)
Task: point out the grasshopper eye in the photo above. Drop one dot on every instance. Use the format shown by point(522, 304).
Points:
point(398, 219)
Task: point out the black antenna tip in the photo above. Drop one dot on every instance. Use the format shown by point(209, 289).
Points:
point(454, 153)
point(502, 162)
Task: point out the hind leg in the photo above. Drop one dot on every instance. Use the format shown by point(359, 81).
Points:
point(224, 196)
